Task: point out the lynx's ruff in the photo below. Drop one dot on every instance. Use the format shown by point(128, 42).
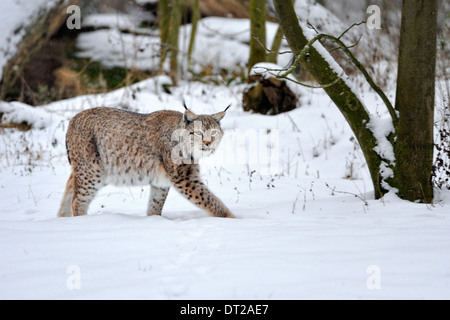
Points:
point(112, 146)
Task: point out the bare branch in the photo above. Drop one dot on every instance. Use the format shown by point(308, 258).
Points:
point(333, 191)
point(286, 74)
point(349, 47)
point(349, 28)
point(268, 50)
point(356, 62)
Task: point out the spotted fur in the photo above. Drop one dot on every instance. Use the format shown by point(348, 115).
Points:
point(112, 146)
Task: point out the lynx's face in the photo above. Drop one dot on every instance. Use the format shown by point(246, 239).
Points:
point(199, 138)
point(204, 136)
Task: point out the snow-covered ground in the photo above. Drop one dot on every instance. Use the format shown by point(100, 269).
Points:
point(302, 230)
point(307, 224)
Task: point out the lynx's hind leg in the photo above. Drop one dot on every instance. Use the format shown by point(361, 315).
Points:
point(87, 181)
point(156, 202)
point(65, 210)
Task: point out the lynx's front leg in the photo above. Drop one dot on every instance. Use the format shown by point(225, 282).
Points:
point(201, 196)
point(187, 182)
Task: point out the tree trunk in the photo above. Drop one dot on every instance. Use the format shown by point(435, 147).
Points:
point(194, 22)
point(257, 32)
point(265, 95)
point(276, 43)
point(409, 169)
point(175, 23)
point(164, 27)
point(272, 57)
point(342, 95)
point(415, 100)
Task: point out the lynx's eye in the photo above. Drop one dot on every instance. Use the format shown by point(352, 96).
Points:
point(198, 133)
point(214, 132)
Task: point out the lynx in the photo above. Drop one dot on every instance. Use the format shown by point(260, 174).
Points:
point(160, 149)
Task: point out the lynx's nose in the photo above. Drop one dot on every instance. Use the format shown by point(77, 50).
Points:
point(207, 142)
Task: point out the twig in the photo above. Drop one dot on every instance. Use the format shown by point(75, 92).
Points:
point(349, 47)
point(348, 29)
point(293, 122)
point(294, 204)
point(333, 190)
point(268, 50)
point(290, 70)
point(309, 24)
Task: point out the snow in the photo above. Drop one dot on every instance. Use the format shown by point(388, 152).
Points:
point(382, 128)
point(142, 2)
point(266, 70)
point(110, 20)
point(324, 20)
point(307, 226)
point(300, 230)
point(17, 112)
point(123, 256)
point(142, 51)
point(115, 49)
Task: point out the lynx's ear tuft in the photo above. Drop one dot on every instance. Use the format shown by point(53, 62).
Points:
point(219, 116)
point(184, 105)
point(188, 115)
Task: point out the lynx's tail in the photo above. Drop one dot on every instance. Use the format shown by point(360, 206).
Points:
point(66, 204)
